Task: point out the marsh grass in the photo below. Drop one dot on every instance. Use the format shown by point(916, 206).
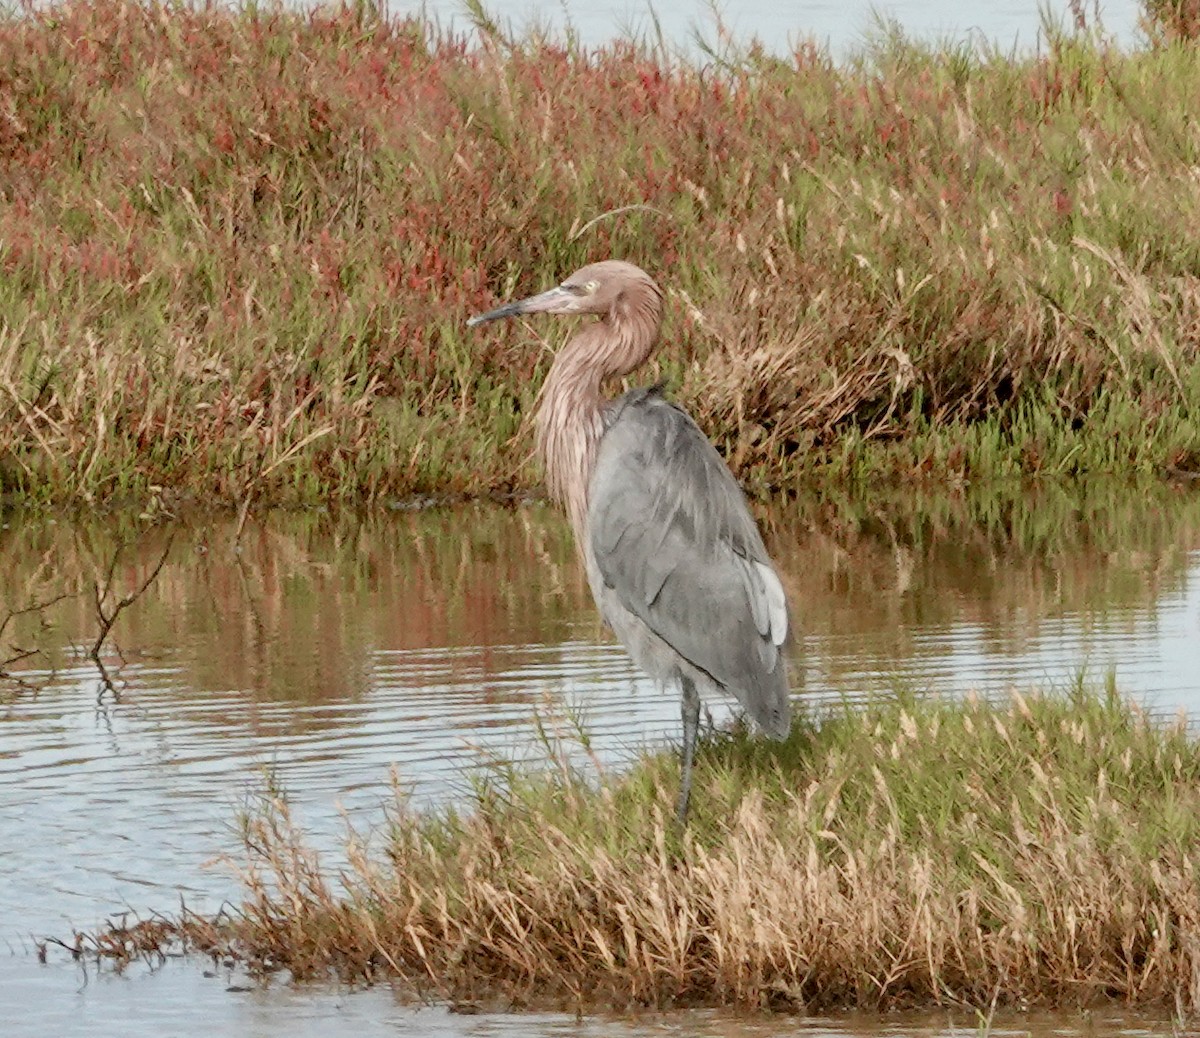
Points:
point(1034, 851)
point(239, 246)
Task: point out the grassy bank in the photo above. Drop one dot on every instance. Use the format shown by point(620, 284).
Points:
point(237, 250)
point(1039, 851)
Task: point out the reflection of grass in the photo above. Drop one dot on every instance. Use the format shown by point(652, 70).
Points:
point(895, 565)
point(291, 610)
point(1035, 851)
point(243, 275)
point(294, 608)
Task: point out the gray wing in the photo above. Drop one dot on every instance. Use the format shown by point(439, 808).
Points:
point(672, 537)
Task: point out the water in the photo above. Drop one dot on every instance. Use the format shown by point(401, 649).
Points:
point(780, 26)
point(330, 650)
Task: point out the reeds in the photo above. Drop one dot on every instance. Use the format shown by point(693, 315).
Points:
point(1039, 851)
point(239, 247)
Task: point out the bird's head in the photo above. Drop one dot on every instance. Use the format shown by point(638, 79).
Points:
point(609, 289)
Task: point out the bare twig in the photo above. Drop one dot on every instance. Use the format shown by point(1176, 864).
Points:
point(17, 654)
point(107, 617)
point(636, 207)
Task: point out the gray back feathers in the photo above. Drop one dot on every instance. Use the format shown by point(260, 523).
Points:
point(674, 542)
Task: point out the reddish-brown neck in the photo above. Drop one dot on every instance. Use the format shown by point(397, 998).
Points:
point(570, 418)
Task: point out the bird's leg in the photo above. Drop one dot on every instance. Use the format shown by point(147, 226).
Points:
point(691, 727)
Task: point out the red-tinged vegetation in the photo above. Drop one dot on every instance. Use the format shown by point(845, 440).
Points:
point(238, 249)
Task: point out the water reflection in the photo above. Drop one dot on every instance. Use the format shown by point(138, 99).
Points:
point(329, 649)
point(310, 609)
point(120, 1006)
point(985, 592)
point(293, 609)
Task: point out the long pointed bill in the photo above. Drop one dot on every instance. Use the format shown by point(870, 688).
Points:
point(546, 302)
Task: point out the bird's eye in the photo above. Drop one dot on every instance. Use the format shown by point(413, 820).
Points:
point(591, 286)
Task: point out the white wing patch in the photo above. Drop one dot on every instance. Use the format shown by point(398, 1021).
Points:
point(775, 601)
point(768, 606)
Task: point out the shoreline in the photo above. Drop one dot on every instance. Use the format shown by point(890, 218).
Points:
point(907, 853)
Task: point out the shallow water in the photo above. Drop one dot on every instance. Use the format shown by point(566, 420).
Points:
point(327, 651)
point(171, 1003)
point(1012, 24)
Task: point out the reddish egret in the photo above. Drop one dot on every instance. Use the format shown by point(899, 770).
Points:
point(672, 553)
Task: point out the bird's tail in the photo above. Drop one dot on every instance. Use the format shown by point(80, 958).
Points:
point(771, 707)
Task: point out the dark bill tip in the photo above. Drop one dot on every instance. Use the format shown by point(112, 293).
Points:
point(557, 300)
point(507, 310)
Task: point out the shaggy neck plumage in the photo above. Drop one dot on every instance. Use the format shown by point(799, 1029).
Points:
point(570, 416)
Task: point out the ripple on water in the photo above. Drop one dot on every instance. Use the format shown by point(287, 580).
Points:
point(329, 667)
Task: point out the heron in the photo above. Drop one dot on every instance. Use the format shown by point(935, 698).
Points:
point(674, 558)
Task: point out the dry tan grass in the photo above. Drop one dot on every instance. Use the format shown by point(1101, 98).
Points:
point(1041, 851)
